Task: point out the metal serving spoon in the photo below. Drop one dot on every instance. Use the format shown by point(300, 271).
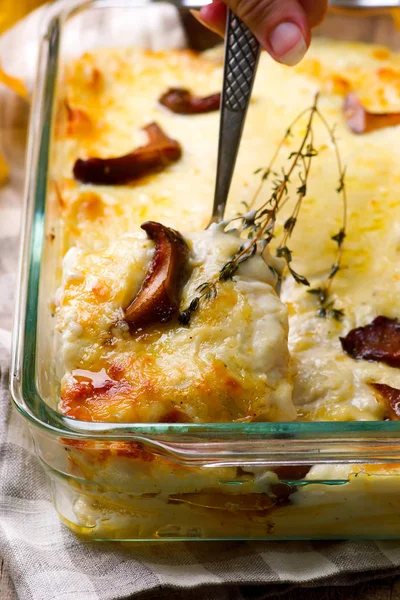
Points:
point(242, 51)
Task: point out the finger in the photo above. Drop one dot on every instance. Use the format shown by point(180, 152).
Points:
point(315, 11)
point(281, 27)
point(213, 16)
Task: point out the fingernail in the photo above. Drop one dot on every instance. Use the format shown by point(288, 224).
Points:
point(199, 14)
point(196, 15)
point(288, 44)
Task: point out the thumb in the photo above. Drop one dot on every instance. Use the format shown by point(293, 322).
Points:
point(281, 26)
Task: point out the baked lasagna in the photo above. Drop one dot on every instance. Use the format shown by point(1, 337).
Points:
point(135, 143)
point(285, 311)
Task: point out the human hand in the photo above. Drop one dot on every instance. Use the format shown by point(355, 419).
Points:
point(283, 27)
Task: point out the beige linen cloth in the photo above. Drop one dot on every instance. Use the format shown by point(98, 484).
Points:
point(43, 560)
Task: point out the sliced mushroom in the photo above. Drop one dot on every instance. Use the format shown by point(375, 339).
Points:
point(379, 341)
point(360, 120)
point(391, 397)
point(182, 102)
point(159, 297)
point(158, 153)
point(291, 472)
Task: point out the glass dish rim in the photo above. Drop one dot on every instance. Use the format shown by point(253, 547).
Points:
point(23, 365)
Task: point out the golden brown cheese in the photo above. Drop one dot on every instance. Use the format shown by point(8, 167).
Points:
point(118, 91)
point(231, 364)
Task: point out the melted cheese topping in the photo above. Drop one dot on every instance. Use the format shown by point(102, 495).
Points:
point(231, 364)
point(117, 90)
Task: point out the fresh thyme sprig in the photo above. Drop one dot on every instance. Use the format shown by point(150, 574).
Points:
point(257, 225)
point(206, 291)
point(326, 308)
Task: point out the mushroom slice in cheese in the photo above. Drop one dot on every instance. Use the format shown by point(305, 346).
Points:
point(230, 365)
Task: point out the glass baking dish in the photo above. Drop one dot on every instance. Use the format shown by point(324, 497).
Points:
point(113, 481)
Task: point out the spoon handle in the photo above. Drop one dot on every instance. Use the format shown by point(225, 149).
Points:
point(242, 51)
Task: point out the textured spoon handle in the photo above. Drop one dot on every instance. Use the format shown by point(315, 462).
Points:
point(242, 52)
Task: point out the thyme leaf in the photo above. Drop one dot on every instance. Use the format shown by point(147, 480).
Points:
point(194, 305)
point(184, 317)
point(290, 224)
point(334, 269)
point(320, 293)
point(339, 238)
point(336, 314)
point(299, 278)
point(228, 271)
point(285, 253)
point(257, 224)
